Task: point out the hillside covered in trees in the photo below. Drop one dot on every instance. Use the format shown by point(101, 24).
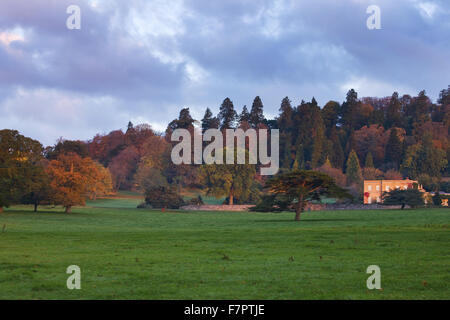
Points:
point(361, 138)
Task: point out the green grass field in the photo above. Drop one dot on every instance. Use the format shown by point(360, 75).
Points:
point(128, 253)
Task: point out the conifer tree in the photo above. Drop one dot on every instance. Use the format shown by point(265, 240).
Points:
point(369, 161)
point(256, 113)
point(227, 114)
point(244, 116)
point(353, 170)
point(208, 121)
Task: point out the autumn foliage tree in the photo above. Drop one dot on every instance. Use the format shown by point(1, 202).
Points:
point(72, 178)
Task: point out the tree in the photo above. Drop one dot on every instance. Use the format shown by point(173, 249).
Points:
point(370, 139)
point(349, 110)
point(99, 181)
point(337, 174)
point(68, 180)
point(123, 168)
point(163, 197)
point(68, 146)
point(370, 173)
point(72, 178)
point(19, 156)
point(393, 112)
point(394, 148)
point(424, 157)
point(437, 199)
point(411, 197)
point(227, 114)
point(337, 156)
point(244, 116)
point(330, 115)
point(38, 191)
point(353, 171)
point(232, 180)
point(393, 174)
point(299, 162)
point(256, 113)
point(208, 121)
point(369, 161)
point(301, 186)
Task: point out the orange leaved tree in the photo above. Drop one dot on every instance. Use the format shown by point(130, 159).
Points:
point(72, 178)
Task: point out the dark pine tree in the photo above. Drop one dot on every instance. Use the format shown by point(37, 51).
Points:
point(244, 116)
point(208, 121)
point(227, 115)
point(256, 113)
point(394, 148)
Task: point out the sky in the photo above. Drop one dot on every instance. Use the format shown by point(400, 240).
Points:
point(142, 61)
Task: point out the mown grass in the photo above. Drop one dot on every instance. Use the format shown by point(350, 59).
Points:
point(127, 253)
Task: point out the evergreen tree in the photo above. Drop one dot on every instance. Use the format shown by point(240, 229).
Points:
point(337, 154)
point(227, 115)
point(349, 111)
point(369, 161)
point(330, 116)
point(129, 126)
point(256, 113)
point(185, 121)
point(393, 112)
point(394, 148)
point(244, 116)
point(299, 162)
point(208, 121)
point(353, 170)
point(285, 125)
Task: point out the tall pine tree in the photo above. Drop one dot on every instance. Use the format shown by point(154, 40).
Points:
point(227, 115)
point(256, 113)
point(353, 170)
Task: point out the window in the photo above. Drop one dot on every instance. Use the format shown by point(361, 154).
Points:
point(378, 188)
point(378, 199)
point(369, 188)
point(397, 187)
point(387, 188)
point(369, 200)
point(405, 187)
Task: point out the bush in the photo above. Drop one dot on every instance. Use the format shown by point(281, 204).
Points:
point(196, 201)
point(163, 197)
point(411, 197)
point(437, 200)
point(272, 203)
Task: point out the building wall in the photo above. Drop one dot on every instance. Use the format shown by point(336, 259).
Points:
point(373, 189)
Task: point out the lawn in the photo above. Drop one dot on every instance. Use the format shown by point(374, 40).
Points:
point(128, 253)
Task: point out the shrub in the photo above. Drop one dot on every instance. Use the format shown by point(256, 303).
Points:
point(163, 197)
point(437, 200)
point(411, 197)
point(196, 201)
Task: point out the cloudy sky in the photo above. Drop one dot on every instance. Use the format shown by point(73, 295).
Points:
point(143, 60)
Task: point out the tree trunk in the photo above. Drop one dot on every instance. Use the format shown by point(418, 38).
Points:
point(403, 206)
point(230, 200)
point(35, 207)
point(1, 209)
point(299, 208)
point(68, 209)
